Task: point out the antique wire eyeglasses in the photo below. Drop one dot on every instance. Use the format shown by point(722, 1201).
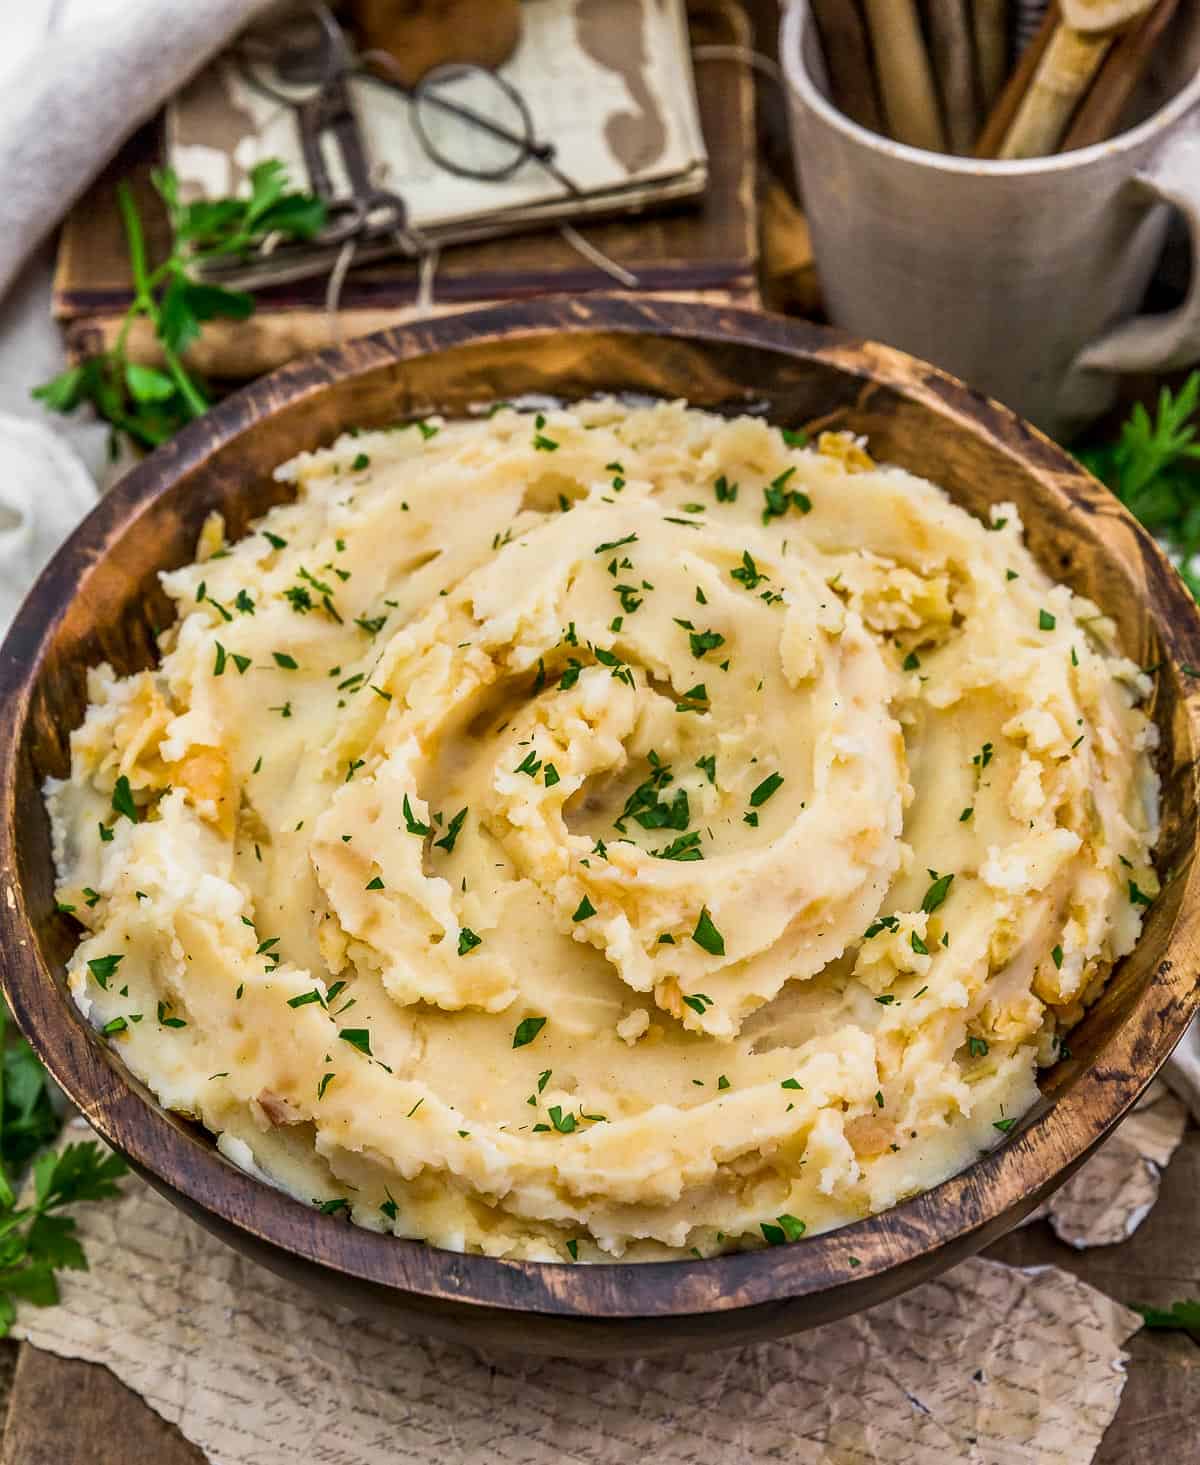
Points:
point(468, 120)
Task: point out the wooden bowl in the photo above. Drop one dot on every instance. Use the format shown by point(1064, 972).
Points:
point(100, 600)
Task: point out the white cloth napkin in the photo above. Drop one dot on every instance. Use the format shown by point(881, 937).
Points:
point(103, 67)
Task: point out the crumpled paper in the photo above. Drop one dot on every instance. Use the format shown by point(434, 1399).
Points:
point(1112, 1194)
point(989, 1365)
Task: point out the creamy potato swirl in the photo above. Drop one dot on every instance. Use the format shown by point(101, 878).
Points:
point(607, 832)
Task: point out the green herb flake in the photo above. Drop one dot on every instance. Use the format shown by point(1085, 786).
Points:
point(412, 824)
point(103, 967)
point(765, 789)
point(937, 892)
point(122, 799)
point(528, 1029)
point(584, 910)
point(706, 935)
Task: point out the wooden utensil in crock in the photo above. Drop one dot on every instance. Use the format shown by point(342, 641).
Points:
point(99, 599)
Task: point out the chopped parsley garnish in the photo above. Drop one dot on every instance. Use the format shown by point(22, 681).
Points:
point(371, 624)
point(274, 540)
point(117, 1025)
point(326, 1080)
point(725, 491)
point(583, 910)
point(912, 662)
point(694, 700)
point(702, 642)
point(615, 544)
point(765, 789)
point(918, 945)
point(103, 967)
point(453, 830)
point(884, 923)
point(570, 676)
point(374, 884)
point(528, 1029)
point(573, 1249)
point(426, 431)
point(791, 1083)
point(166, 1021)
point(282, 659)
point(794, 437)
point(983, 757)
point(305, 998)
point(468, 941)
point(564, 1123)
point(1003, 1125)
point(122, 799)
point(543, 444)
point(697, 1001)
point(1136, 896)
point(686, 847)
point(1046, 621)
point(652, 812)
point(1056, 956)
point(966, 814)
point(219, 659)
point(777, 499)
point(361, 461)
point(977, 1047)
point(411, 823)
point(331, 1207)
point(359, 1038)
point(708, 766)
point(748, 573)
point(550, 775)
point(530, 764)
point(706, 935)
point(937, 892)
point(789, 1228)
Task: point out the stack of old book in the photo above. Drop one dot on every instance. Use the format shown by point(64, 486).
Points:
point(675, 216)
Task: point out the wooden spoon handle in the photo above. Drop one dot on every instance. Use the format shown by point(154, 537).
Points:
point(848, 59)
point(905, 79)
point(1064, 74)
point(995, 129)
point(1100, 113)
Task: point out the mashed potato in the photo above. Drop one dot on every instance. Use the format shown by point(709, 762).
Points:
point(617, 832)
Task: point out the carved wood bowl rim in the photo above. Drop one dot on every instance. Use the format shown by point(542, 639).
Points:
point(746, 1294)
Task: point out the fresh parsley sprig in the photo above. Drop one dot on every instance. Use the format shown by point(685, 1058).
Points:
point(35, 1240)
point(147, 404)
point(1154, 469)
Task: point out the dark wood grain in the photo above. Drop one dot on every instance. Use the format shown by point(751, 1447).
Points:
point(98, 599)
point(63, 1411)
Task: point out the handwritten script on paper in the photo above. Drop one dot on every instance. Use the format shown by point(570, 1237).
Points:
point(988, 1365)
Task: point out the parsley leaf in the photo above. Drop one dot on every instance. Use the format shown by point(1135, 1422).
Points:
point(706, 935)
point(528, 1029)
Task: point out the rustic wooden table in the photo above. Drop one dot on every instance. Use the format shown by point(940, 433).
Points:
point(63, 1412)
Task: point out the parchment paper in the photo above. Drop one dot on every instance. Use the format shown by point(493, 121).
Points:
point(1113, 1193)
point(989, 1366)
